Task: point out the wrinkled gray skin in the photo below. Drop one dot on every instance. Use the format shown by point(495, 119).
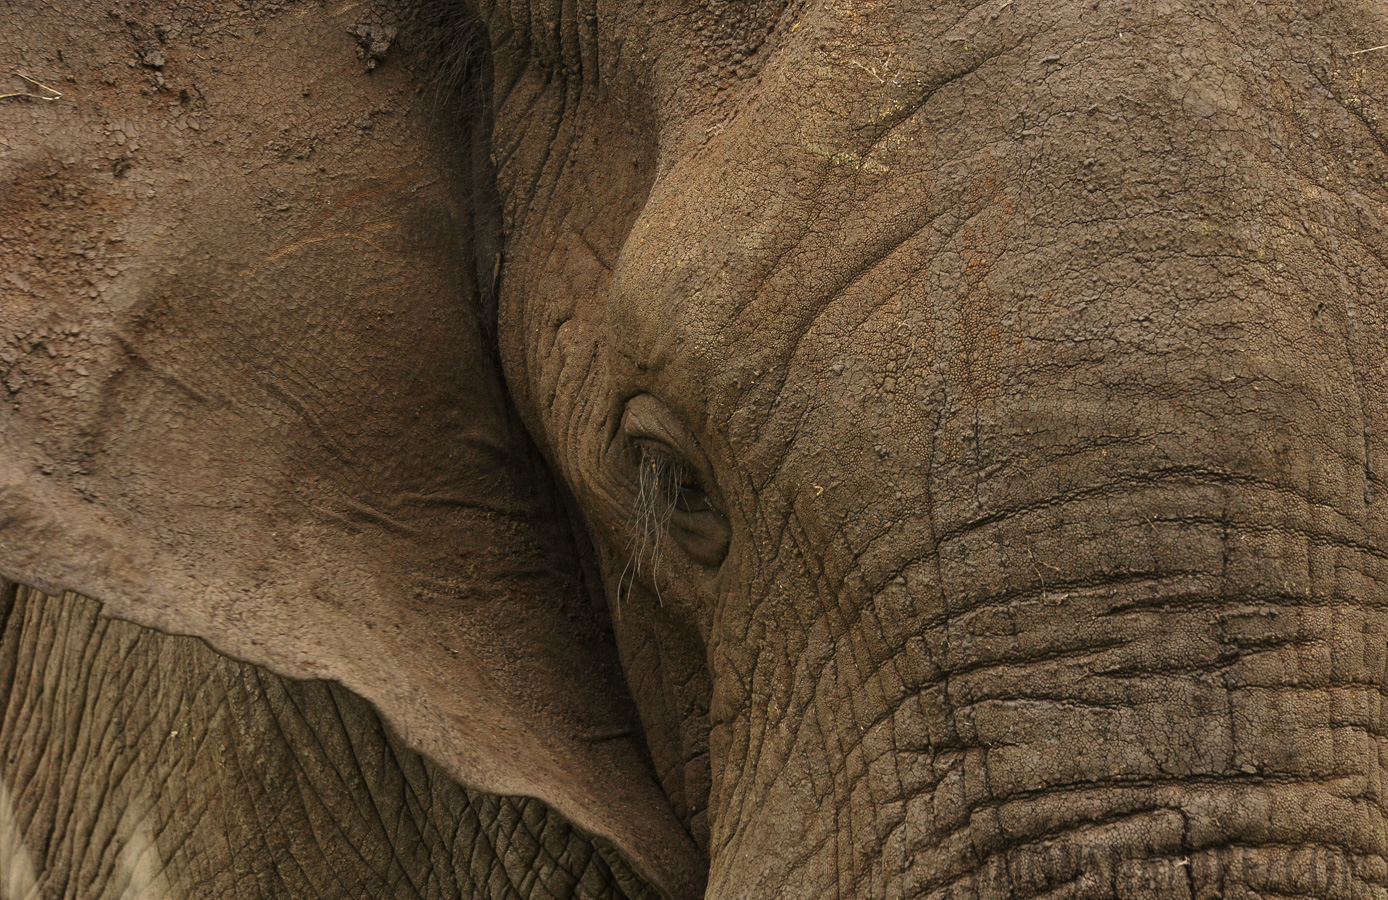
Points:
point(148, 766)
point(975, 417)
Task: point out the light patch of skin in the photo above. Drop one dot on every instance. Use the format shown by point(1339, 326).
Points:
point(139, 866)
point(18, 877)
point(301, 243)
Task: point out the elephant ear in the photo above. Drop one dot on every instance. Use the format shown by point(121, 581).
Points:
point(245, 395)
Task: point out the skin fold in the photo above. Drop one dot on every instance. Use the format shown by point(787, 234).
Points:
point(968, 419)
point(248, 396)
point(1033, 354)
point(153, 767)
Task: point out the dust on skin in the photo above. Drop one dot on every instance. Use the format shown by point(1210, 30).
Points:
point(248, 396)
point(185, 152)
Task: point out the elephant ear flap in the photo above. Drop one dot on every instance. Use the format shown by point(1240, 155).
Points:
point(294, 442)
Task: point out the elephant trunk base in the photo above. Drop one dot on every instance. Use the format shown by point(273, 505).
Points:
point(1006, 720)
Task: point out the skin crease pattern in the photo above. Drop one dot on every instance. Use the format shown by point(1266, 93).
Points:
point(847, 449)
point(248, 396)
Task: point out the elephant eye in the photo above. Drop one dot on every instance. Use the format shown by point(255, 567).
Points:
point(672, 501)
point(666, 482)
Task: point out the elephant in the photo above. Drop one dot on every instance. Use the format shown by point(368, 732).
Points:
point(694, 448)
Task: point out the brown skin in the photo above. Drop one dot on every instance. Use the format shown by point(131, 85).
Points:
point(977, 416)
point(248, 395)
point(1035, 355)
point(147, 765)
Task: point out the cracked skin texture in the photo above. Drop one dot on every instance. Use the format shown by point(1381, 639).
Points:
point(1038, 353)
point(1033, 354)
point(151, 766)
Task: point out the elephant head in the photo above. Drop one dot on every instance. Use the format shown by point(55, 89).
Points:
point(978, 411)
point(971, 416)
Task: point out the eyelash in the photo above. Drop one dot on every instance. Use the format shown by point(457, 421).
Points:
point(661, 479)
point(670, 501)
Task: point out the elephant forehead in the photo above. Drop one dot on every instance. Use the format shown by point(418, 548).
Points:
point(787, 151)
point(1065, 190)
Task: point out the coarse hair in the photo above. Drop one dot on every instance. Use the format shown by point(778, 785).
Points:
point(659, 479)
